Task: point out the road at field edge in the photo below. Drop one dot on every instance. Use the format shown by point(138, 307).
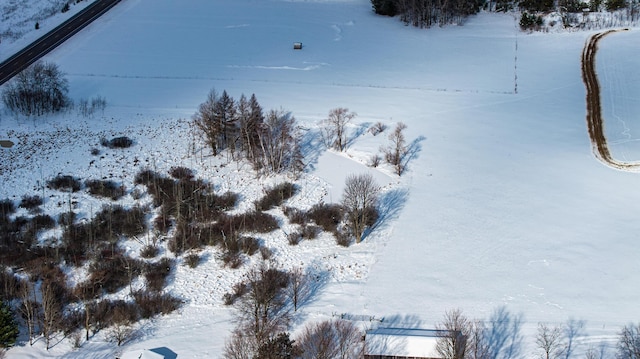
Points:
point(595, 122)
point(53, 39)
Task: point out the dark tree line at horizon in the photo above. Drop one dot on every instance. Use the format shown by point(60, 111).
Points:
point(427, 13)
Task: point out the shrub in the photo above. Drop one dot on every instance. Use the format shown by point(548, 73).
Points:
point(106, 313)
point(377, 128)
point(111, 272)
point(310, 232)
point(149, 251)
point(153, 303)
point(266, 253)
point(259, 222)
point(296, 216)
point(294, 238)
point(232, 259)
point(192, 260)
point(187, 237)
point(276, 195)
point(342, 239)
point(146, 177)
point(105, 188)
point(327, 216)
point(31, 203)
point(374, 161)
point(117, 142)
point(156, 274)
point(239, 289)
point(115, 220)
point(181, 173)
point(65, 183)
point(42, 221)
point(249, 245)
point(223, 202)
point(94, 151)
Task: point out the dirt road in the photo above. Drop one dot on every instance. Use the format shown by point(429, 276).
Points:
point(595, 122)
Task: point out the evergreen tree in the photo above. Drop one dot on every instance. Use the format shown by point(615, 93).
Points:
point(8, 326)
point(280, 347)
point(225, 117)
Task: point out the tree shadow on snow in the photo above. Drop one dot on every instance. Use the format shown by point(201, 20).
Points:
point(503, 334)
point(389, 206)
point(359, 131)
point(413, 150)
point(312, 147)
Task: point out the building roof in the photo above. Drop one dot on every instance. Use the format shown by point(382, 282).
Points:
point(407, 342)
point(141, 354)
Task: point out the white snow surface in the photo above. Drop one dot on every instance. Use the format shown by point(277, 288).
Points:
point(502, 203)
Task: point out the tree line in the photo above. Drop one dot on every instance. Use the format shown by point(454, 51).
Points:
point(427, 13)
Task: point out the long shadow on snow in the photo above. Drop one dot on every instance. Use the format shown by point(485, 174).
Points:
point(389, 206)
point(360, 130)
point(413, 150)
point(312, 147)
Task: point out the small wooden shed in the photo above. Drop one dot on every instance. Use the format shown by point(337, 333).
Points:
point(297, 46)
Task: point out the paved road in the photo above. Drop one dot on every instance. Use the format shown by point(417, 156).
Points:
point(52, 39)
point(595, 122)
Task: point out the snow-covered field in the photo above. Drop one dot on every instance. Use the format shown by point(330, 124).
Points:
point(502, 205)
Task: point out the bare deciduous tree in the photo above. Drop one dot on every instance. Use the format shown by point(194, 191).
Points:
point(360, 200)
point(549, 341)
point(396, 152)
point(478, 345)
point(205, 121)
point(334, 130)
point(298, 288)
point(241, 345)
point(629, 342)
point(262, 310)
point(331, 340)
point(120, 332)
point(29, 308)
point(277, 137)
point(454, 334)
point(51, 318)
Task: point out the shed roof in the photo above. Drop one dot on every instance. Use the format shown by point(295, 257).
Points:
point(141, 354)
point(407, 342)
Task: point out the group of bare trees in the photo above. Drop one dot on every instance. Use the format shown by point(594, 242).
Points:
point(499, 337)
point(271, 143)
point(335, 136)
point(39, 89)
point(268, 299)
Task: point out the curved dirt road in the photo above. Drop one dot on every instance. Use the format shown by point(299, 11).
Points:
point(595, 122)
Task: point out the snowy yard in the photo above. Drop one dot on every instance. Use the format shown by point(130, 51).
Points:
point(503, 204)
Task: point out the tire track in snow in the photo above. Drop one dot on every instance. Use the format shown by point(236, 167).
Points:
point(595, 122)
